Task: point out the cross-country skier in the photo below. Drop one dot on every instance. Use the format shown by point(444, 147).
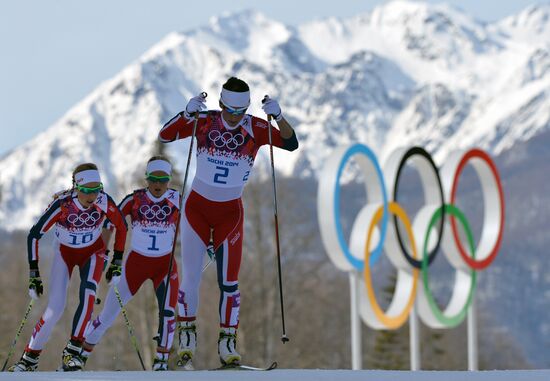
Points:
point(153, 212)
point(227, 143)
point(78, 216)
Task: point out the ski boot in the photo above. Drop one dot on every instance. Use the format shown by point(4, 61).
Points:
point(86, 352)
point(187, 333)
point(227, 347)
point(27, 363)
point(72, 359)
point(160, 362)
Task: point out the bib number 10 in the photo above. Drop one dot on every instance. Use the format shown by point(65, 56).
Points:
point(81, 239)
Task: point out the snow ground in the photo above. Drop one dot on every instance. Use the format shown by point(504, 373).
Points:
point(285, 374)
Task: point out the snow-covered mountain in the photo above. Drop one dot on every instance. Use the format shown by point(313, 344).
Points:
point(404, 73)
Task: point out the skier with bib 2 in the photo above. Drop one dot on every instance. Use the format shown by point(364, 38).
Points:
point(227, 144)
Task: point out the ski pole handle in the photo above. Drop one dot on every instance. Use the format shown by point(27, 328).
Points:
point(203, 95)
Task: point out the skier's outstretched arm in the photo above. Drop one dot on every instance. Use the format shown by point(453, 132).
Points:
point(181, 125)
point(48, 219)
point(117, 219)
point(125, 208)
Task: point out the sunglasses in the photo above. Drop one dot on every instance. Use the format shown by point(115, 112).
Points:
point(88, 190)
point(158, 179)
point(235, 111)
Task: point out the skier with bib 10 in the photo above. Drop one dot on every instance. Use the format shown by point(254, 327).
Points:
point(78, 216)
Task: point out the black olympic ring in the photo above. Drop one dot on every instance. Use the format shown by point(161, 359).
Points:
point(88, 219)
point(423, 158)
point(226, 139)
point(155, 211)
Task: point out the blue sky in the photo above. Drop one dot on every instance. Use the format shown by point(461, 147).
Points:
point(53, 53)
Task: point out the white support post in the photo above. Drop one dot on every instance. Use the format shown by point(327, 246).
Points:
point(356, 350)
point(472, 336)
point(414, 337)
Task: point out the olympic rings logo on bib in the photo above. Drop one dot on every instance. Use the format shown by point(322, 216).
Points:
point(411, 250)
point(84, 219)
point(226, 139)
point(155, 212)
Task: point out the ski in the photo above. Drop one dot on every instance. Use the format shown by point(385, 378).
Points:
point(61, 369)
point(246, 367)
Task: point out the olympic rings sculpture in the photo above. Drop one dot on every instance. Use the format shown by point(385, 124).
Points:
point(376, 230)
point(226, 139)
point(88, 219)
point(155, 211)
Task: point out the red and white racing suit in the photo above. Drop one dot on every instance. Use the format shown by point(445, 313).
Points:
point(153, 222)
point(225, 157)
point(78, 243)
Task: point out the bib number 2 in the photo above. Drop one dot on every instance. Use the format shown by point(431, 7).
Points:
point(221, 175)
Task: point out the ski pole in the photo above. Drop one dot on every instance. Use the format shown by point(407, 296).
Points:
point(21, 325)
point(129, 326)
point(211, 255)
point(204, 95)
point(284, 338)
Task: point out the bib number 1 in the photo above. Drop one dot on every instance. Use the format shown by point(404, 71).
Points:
point(153, 243)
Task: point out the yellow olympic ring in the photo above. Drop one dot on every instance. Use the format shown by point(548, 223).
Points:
point(407, 277)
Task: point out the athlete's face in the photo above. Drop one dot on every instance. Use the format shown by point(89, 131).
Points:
point(231, 119)
point(155, 186)
point(87, 199)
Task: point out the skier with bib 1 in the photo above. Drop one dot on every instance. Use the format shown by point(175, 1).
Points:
point(153, 212)
point(78, 216)
point(227, 144)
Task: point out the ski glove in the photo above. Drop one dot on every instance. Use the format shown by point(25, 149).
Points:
point(115, 269)
point(271, 107)
point(195, 105)
point(36, 288)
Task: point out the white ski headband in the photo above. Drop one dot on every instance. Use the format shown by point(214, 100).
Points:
point(86, 177)
point(234, 99)
point(159, 165)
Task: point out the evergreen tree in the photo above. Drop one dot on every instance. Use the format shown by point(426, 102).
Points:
point(391, 347)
